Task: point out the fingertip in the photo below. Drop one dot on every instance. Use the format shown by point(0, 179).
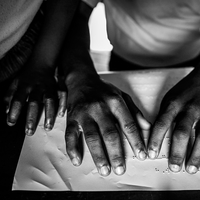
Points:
point(152, 154)
point(142, 155)
point(29, 132)
point(76, 161)
point(61, 114)
point(11, 123)
point(104, 170)
point(144, 124)
point(119, 170)
point(48, 127)
point(191, 169)
point(174, 168)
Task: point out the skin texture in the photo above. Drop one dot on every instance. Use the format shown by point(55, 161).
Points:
point(95, 108)
point(102, 112)
point(36, 83)
point(181, 107)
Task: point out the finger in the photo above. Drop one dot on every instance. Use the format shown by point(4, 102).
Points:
point(31, 119)
point(62, 103)
point(193, 163)
point(50, 105)
point(143, 123)
point(72, 137)
point(180, 139)
point(33, 111)
point(93, 140)
point(129, 126)
point(162, 124)
point(112, 142)
point(9, 94)
point(50, 113)
point(17, 103)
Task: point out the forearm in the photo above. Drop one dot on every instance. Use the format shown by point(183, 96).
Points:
point(57, 19)
point(75, 59)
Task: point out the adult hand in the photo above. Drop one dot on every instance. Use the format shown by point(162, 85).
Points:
point(37, 86)
point(102, 112)
point(181, 105)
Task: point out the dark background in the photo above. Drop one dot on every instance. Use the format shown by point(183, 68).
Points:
point(176, 195)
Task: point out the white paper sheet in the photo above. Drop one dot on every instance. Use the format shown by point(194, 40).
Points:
point(44, 164)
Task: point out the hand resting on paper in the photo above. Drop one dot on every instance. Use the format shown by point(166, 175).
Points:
point(39, 88)
point(96, 108)
point(103, 112)
point(36, 82)
point(181, 105)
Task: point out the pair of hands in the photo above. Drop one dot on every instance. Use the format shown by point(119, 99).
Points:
point(103, 112)
point(100, 108)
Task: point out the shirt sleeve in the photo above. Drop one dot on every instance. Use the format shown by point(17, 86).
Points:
point(92, 3)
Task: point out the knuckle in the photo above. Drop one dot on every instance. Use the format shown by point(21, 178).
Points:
point(117, 160)
point(131, 127)
point(139, 145)
point(31, 122)
point(160, 124)
point(182, 132)
point(71, 151)
point(193, 111)
point(95, 106)
point(176, 158)
point(110, 135)
point(155, 144)
point(115, 99)
point(99, 160)
point(91, 137)
point(195, 160)
point(172, 106)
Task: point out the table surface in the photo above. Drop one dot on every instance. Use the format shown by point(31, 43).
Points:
point(143, 195)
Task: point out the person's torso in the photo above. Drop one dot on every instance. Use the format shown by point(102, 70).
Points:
point(15, 18)
point(154, 32)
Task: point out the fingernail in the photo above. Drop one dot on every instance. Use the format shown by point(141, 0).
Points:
point(29, 132)
point(7, 109)
point(174, 167)
point(76, 161)
point(10, 123)
point(48, 127)
point(142, 155)
point(60, 114)
point(152, 154)
point(119, 170)
point(143, 122)
point(105, 170)
point(192, 169)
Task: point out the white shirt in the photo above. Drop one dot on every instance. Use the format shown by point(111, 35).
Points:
point(153, 32)
point(15, 18)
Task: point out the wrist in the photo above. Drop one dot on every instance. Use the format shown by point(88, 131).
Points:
point(81, 78)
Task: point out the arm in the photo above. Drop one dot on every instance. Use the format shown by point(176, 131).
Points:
point(37, 80)
point(95, 107)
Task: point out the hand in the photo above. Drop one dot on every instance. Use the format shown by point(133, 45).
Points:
point(38, 87)
point(97, 109)
point(181, 105)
